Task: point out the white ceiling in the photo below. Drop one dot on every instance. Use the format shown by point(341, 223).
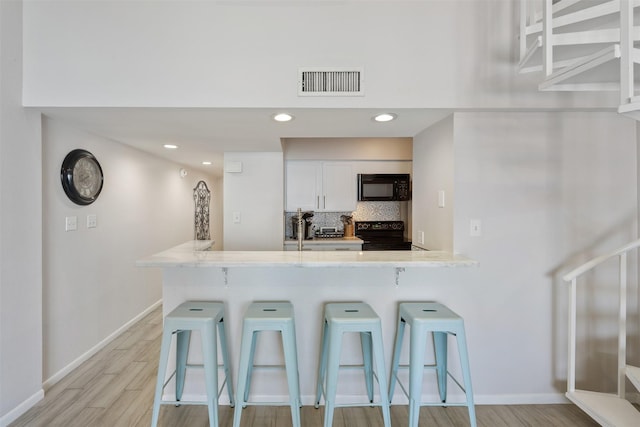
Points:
point(205, 134)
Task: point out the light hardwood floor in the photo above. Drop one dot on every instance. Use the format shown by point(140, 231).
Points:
point(115, 388)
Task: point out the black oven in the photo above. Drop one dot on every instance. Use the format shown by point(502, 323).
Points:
point(382, 235)
point(383, 187)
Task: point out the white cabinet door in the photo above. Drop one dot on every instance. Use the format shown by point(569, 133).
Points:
point(339, 187)
point(303, 186)
point(320, 186)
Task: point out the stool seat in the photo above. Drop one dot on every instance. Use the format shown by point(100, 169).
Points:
point(268, 316)
point(351, 317)
point(435, 318)
point(205, 317)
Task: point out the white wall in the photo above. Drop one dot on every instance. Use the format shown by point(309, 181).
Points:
point(430, 54)
point(91, 285)
point(257, 195)
point(552, 190)
point(20, 230)
point(433, 171)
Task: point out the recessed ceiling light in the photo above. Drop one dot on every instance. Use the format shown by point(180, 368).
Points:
point(206, 163)
point(385, 117)
point(282, 117)
point(170, 146)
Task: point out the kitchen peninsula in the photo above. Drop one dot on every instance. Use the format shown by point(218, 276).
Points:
point(308, 279)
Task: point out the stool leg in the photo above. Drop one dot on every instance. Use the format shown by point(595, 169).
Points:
point(210, 360)
point(440, 344)
point(365, 342)
point(376, 337)
point(397, 348)
point(416, 370)
point(225, 360)
point(291, 365)
point(333, 362)
point(466, 375)
point(183, 338)
point(254, 338)
point(243, 368)
point(162, 369)
point(322, 365)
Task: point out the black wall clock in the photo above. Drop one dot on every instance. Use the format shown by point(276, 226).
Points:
point(81, 177)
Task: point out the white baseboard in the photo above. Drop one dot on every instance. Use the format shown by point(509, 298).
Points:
point(520, 399)
point(504, 399)
point(83, 358)
point(16, 412)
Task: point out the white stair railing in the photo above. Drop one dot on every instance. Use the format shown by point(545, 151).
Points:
point(604, 408)
point(572, 277)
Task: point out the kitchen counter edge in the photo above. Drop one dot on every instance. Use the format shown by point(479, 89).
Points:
point(197, 254)
point(327, 241)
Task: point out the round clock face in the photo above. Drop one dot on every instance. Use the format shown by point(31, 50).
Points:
point(81, 177)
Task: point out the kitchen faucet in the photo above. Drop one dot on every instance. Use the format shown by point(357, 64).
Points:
point(300, 229)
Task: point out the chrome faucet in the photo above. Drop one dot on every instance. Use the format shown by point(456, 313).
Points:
point(300, 230)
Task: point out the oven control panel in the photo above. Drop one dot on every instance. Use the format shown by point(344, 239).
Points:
point(379, 225)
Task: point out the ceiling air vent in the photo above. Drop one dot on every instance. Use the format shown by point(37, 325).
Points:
point(330, 82)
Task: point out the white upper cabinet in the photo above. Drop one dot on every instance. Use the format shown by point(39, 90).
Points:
point(303, 185)
point(339, 187)
point(320, 186)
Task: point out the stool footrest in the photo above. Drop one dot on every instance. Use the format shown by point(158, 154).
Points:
point(224, 382)
point(269, 367)
point(183, 402)
point(351, 367)
point(281, 403)
point(357, 405)
point(445, 404)
point(404, 390)
point(201, 366)
point(220, 390)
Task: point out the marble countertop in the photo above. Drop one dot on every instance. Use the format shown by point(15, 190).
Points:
point(196, 254)
point(327, 241)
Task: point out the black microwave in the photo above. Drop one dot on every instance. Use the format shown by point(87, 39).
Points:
point(384, 187)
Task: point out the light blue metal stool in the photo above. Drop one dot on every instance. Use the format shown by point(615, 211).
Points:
point(425, 317)
point(351, 317)
point(202, 316)
point(268, 316)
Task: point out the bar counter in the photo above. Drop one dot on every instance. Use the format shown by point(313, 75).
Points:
point(308, 279)
point(197, 254)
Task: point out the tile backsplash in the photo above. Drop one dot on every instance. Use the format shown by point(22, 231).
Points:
point(365, 211)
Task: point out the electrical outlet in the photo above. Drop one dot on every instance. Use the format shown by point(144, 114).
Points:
point(71, 223)
point(236, 217)
point(441, 199)
point(475, 228)
point(92, 221)
point(421, 237)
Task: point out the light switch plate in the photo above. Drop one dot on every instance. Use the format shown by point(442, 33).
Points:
point(71, 223)
point(475, 228)
point(441, 199)
point(92, 221)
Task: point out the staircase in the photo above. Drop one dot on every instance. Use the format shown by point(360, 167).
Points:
point(588, 45)
point(582, 45)
point(606, 408)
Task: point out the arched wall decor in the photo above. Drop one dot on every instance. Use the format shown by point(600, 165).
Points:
point(202, 198)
